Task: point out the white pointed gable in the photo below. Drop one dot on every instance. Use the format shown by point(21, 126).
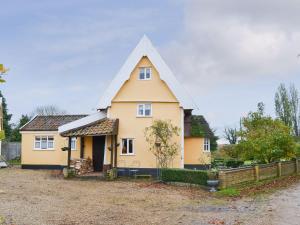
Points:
point(145, 48)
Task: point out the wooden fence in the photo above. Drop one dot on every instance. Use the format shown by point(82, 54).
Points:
point(231, 177)
point(11, 150)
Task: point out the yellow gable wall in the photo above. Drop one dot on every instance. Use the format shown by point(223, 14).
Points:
point(124, 106)
point(154, 90)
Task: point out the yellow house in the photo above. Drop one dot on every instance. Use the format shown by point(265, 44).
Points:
point(144, 90)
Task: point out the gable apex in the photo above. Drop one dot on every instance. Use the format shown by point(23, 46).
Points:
point(145, 48)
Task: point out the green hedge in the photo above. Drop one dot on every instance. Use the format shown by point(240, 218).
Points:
point(185, 176)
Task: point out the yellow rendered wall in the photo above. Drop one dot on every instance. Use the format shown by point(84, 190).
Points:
point(194, 151)
point(124, 107)
point(154, 90)
point(30, 156)
point(88, 147)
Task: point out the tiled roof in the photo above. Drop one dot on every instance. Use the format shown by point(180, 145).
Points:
point(101, 127)
point(49, 123)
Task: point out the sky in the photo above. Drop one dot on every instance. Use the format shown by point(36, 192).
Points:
point(229, 55)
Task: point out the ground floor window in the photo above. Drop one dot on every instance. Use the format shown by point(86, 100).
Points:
point(73, 143)
point(44, 143)
point(206, 144)
point(127, 146)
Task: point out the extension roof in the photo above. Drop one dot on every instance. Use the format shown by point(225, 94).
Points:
point(145, 48)
point(49, 123)
point(102, 127)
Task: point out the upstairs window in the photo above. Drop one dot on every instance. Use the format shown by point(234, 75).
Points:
point(127, 146)
point(44, 143)
point(145, 73)
point(206, 145)
point(144, 110)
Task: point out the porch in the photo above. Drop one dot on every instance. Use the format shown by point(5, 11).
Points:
point(98, 143)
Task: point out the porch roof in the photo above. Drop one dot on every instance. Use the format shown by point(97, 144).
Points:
point(104, 126)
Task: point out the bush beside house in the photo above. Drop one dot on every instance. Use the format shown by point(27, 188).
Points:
point(185, 176)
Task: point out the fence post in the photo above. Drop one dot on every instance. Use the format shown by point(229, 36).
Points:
point(279, 169)
point(222, 178)
point(297, 165)
point(256, 168)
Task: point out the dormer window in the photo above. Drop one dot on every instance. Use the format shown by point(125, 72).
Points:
point(145, 73)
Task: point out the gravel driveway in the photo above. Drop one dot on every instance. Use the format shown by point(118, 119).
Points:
point(38, 197)
point(284, 207)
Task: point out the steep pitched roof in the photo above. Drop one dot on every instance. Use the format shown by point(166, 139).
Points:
point(145, 48)
point(49, 123)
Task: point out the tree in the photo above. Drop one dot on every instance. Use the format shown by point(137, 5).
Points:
point(3, 70)
point(287, 107)
point(16, 136)
point(48, 110)
point(282, 105)
point(230, 134)
point(6, 118)
point(160, 136)
point(265, 139)
point(295, 110)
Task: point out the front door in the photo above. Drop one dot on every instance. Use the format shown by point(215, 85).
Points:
point(98, 152)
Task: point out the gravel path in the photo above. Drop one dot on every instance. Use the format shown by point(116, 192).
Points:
point(284, 207)
point(29, 197)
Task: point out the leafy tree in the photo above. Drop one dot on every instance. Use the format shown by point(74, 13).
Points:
point(3, 70)
point(160, 136)
point(295, 110)
point(230, 134)
point(16, 136)
point(287, 107)
point(213, 142)
point(48, 110)
point(6, 118)
point(265, 139)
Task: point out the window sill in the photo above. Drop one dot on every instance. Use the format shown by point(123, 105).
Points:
point(127, 154)
point(39, 149)
point(143, 116)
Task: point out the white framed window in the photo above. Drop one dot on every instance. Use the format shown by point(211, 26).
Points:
point(144, 110)
point(145, 73)
point(206, 145)
point(44, 143)
point(73, 143)
point(127, 146)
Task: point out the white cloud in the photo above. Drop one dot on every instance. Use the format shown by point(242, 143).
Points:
point(233, 54)
point(236, 41)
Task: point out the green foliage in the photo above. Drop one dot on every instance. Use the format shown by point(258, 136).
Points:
point(16, 136)
point(15, 161)
point(197, 129)
point(229, 192)
point(6, 119)
point(287, 107)
point(160, 137)
point(2, 135)
point(111, 174)
point(185, 176)
point(234, 163)
point(264, 139)
point(298, 150)
point(213, 143)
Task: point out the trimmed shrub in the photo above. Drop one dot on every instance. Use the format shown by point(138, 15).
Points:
point(234, 163)
point(185, 176)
